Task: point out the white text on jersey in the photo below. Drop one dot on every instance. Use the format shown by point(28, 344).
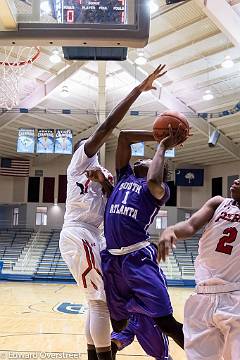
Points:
point(130, 186)
point(123, 210)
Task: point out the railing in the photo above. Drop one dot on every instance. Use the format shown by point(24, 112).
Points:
point(169, 268)
point(27, 257)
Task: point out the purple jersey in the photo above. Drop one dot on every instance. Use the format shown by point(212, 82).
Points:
point(130, 210)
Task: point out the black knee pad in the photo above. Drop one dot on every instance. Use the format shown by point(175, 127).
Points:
point(119, 325)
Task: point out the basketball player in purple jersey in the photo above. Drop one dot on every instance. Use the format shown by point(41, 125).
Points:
point(148, 334)
point(80, 237)
point(133, 281)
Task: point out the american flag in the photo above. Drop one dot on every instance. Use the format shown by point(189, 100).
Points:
point(14, 167)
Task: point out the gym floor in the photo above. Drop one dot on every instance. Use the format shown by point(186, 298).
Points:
point(46, 321)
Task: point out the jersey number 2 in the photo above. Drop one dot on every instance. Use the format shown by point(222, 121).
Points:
point(222, 246)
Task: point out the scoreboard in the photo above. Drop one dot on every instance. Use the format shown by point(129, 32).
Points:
point(90, 11)
point(82, 23)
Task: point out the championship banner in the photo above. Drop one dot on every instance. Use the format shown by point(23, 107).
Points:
point(170, 153)
point(45, 141)
point(138, 149)
point(25, 141)
point(63, 141)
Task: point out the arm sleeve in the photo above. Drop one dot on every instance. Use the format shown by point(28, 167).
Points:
point(81, 162)
point(126, 171)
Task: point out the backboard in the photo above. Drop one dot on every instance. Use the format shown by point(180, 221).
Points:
point(75, 22)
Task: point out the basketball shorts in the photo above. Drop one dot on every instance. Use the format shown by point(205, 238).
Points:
point(134, 283)
point(151, 339)
point(212, 326)
point(80, 250)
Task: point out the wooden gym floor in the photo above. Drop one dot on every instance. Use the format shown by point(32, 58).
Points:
point(32, 328)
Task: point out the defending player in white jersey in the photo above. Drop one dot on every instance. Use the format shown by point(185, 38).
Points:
point(212, 314)
point(80, 237)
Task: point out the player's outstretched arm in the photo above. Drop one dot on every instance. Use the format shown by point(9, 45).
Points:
point(99, 137)
point(185, 229)
point(125, 139)
point(98, 176)
point(156, 169)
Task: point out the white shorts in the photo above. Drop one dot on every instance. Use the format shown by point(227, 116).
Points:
point(212, 326)
point(79, 248)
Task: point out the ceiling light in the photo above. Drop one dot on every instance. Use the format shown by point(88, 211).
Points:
point(45, 7)
point(55, 58)
point(227, 63)
point(141, 59)
point(65, 91)
point(153, 7)
point(208, 95)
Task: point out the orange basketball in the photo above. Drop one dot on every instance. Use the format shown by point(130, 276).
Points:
point(174, 118)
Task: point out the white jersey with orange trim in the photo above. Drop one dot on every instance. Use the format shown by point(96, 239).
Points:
point(219, 247)
point(85, 201)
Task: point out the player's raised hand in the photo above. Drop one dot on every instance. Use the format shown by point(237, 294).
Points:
point(96, 175)
point(167, 241)
point(147, 84)
point(174, 138)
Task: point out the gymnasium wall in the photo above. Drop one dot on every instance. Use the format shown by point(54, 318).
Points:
point(14, 190)
point(6, 214)
point(55, 215)
point(52, 168)
point(6, 189)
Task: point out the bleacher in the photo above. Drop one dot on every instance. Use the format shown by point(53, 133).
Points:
point(50, 265)
point(12, 243)
point(180, 263)
point(185, 255)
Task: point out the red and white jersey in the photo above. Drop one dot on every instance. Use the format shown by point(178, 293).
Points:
point(219, 247)
point(85, 201)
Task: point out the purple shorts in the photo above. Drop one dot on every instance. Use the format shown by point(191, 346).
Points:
point(149, 336)
point(134, 283)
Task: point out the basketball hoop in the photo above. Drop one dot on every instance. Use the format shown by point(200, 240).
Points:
point(14, 62)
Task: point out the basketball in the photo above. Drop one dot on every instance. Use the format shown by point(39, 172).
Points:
point(175, 119)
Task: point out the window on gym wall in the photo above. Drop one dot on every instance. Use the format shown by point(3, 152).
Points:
point(41, 215)
point(15, 216)
point(161, 220)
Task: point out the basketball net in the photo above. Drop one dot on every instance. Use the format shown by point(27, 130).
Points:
point(14, 62)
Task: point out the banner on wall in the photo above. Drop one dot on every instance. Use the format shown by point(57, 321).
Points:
point(45, 141)
point(170, 153)
point(63, 141)
point(138, 149)
point(25, 141)
point(189, 177)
